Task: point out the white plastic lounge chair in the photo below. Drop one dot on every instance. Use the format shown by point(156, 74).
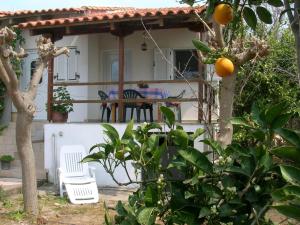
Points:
point(76, 178)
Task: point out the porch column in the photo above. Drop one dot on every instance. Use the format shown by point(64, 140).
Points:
point(121, 76)
point(50, 84)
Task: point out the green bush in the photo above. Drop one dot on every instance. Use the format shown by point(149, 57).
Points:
point(6, 158)
point(235, 187)
point(62, 94)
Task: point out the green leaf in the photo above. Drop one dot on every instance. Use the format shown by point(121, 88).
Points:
point(238, 170)
point(264, 15)
point(169, 115)
point(147, 216)
point(214, 145)
point(291, 211)
point(204, 212)
point(128, 132)
point(280, 121)
point(201, 46)
point(180, 138)
point(250, 17)
point(287, 152)
point(286, 193)
point(290, 174)
point(240, 121)
point(197, 158)
point(275, 3)
point(95, 157)
point(289, 135)
point(256, 115)
point(197, 133)
point(151, 196)
point(274, 111)
point(111, 132)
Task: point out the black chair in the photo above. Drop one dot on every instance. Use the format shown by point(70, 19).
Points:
point(104, 106)
point(176, 105)
point(133, 94)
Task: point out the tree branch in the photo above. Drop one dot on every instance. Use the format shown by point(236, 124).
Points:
point(257, 48)
point(14, 83)
point(218, 34)
point(46, 51)
point(4, 77)
point(291, 17)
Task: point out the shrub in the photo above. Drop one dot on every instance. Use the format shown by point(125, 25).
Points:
point(233, 188)
point(62, 94)
point(6, 158)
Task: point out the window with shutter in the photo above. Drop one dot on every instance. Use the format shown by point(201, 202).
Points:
point(163, 70)
point(65, 67)
point(111, 65)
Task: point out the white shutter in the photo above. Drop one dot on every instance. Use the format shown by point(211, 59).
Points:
point(162, 70)
point(170, 65)
point(61, 67)
point(72, 64)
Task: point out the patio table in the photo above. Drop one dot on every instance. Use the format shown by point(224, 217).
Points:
point(150, 93)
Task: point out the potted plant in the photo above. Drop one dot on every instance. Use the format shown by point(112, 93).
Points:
point(60, 111)
point(5, 161)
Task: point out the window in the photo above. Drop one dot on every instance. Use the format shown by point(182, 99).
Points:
point(33, 65)
point(111, 65)
point(65, 67)
point(186, 62)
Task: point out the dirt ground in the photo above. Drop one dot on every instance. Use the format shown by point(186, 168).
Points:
point(58, 211)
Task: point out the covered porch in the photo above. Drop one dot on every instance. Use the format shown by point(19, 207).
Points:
point(140, 59)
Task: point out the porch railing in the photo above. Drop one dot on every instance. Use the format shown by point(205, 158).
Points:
point(204, 94)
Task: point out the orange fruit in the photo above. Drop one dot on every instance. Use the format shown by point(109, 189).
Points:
point(223, 14)
point(224, 67)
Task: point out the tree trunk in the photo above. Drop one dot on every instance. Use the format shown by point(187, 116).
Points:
point(25, 150)
point(226, 107)
point(297, 41)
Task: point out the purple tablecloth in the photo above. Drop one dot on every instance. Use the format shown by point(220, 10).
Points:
point(151, 93)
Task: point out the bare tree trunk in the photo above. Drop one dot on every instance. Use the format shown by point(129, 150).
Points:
point(24, 102)
point(25, 150)
point(297, 41)
point(226, 108)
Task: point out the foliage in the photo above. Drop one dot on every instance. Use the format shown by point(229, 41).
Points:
point(269, 81)
point(62, 94)
point(190, 188)
point(248, 13)
point(267, 126)
point(7, 158)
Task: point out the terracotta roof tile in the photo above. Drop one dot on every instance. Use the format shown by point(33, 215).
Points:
point(59, 10)
point(116, 14)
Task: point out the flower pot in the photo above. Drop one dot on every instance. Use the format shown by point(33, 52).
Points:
point(5, 165)
point(58, 117)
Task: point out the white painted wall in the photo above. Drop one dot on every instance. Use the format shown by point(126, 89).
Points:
point(57, 135)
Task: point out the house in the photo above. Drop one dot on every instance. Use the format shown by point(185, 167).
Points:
point(114, 48)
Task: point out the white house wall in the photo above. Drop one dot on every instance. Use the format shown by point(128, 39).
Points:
point(89, 134)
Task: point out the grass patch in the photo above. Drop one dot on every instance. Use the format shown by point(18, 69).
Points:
point(17, 215)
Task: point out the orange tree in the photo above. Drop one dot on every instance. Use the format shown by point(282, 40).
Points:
point(178, 184)
point(229, 46)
